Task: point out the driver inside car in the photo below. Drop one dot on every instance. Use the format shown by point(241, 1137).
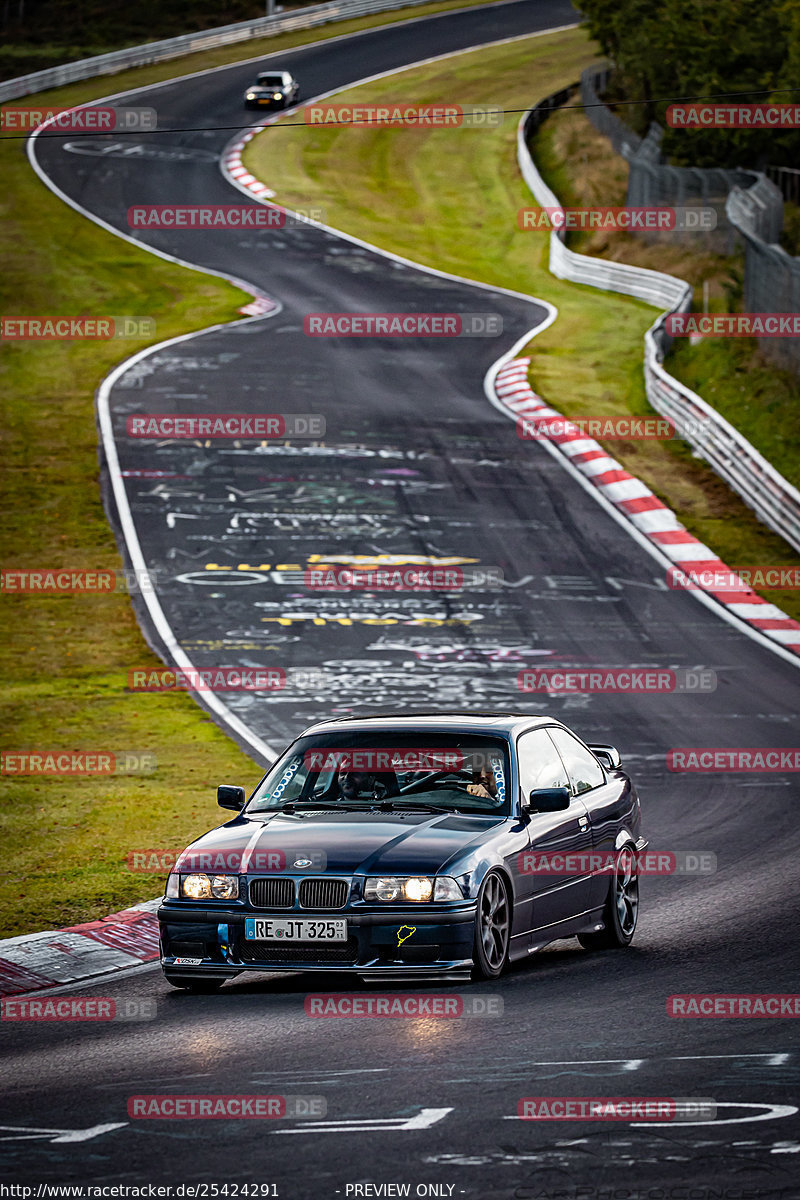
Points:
point(483, 784)
point(365, 785)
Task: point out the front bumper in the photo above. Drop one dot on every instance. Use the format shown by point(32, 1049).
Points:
point(265, 103)
point(441, 942)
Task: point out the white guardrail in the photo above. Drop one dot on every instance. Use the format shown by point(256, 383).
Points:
point(190, 43)
point(774, 500)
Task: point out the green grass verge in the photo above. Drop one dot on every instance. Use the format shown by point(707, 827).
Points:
point(758, 398)
point(449, 199)
point(65, 659)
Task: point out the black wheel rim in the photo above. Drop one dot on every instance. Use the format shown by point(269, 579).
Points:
point(494, 922)
point(626, 895)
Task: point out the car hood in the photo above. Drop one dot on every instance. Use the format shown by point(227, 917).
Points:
point(340, 843)
point(261, 89)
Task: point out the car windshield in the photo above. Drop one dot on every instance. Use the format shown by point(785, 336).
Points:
point(274, 81)
point(441, 772)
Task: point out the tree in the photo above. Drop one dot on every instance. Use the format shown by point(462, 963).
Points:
point(745, 50)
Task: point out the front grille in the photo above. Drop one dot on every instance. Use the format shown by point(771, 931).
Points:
point(323, 893)
point(272, 893)
point(342, 952)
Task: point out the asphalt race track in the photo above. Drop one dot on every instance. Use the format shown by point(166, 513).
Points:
point(416, 462)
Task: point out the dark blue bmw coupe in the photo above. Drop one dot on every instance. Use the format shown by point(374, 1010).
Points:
point(410, 847)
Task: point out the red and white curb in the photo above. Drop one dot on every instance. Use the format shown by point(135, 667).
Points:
point(652, 519)
point(259, 307)
point(233, 166)
point(79, 952)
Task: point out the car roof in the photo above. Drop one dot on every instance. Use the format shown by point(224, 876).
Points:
point(502, 724)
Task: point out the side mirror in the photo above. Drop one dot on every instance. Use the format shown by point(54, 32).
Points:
point(548, 799)
point(230, 797)
point(608, 755)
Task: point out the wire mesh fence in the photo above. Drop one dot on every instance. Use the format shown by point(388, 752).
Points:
point(771, 276)
point(652, 182)
point(748, 205)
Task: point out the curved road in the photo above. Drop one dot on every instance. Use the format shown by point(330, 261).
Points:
point(416, 462)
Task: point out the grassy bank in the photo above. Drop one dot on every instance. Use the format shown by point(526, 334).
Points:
point(449, 199)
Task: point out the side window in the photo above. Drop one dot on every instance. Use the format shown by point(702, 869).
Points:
point(539, 764)
point(584, 770)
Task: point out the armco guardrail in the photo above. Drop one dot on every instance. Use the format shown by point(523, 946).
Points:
point(774, 500)
point(190, 43)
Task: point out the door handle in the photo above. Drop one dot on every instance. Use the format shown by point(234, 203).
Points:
point(584, 823)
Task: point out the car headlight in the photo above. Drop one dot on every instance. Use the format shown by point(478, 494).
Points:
point(416, 888)
point(447, 889)
point(250, 96)
point(208, 887)
point(277, 95)
point(196, 887)
point(225, 887)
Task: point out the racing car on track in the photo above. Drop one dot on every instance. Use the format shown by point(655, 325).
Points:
point(272, 89)
point(410, 846)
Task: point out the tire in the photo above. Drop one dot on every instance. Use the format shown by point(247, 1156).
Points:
point(492, 928)
point(621, 910)
point(200, 986)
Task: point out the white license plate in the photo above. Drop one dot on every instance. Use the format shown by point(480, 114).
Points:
point(266, 929)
